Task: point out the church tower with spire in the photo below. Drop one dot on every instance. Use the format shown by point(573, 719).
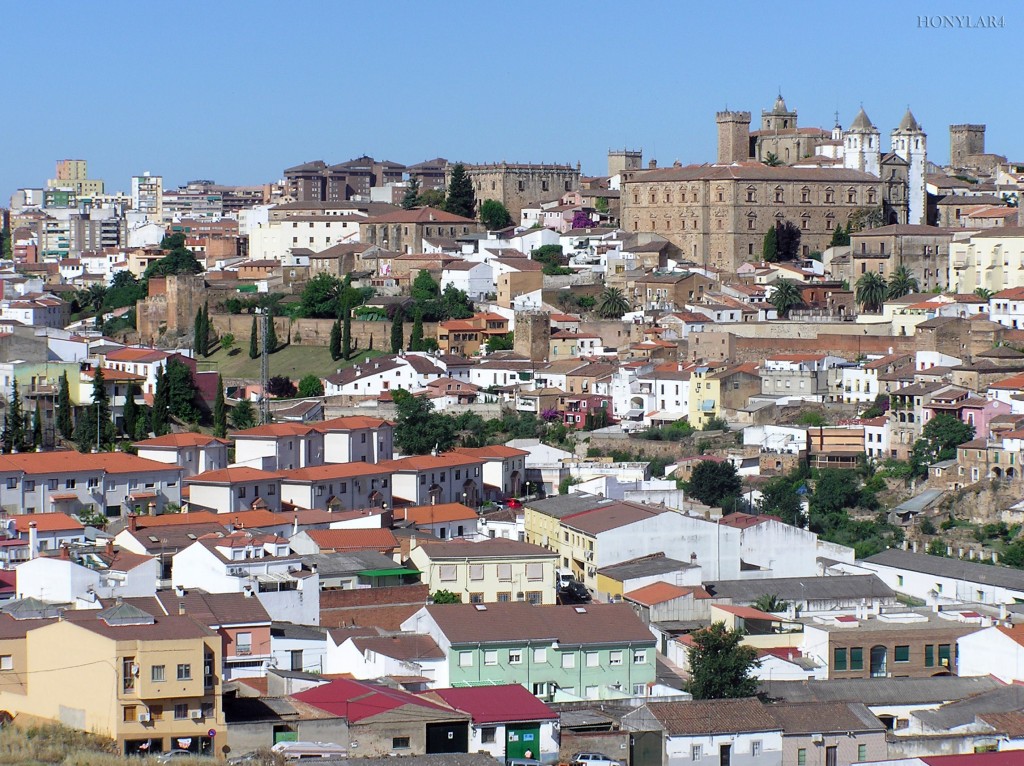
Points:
point(862, 145)
point(910, 142)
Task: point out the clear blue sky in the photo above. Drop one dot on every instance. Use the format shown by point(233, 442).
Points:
point(237, 91)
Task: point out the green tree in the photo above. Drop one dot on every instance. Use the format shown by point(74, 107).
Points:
point(320, 296)
point(840, 237)
point(254, 348)
point(983, 292)
point(780, 497)
point(785, 297)
point(865, 218)
point(37, 426)
point(770, 246)
point(504, 342)
point(453, 304)
point(65, 417)
point(335, 341)
point(612, 304)
point(94, 425)
point(445, 597)
point(179, 259)
point(243, 415)
point(552, 259)
point(397, 332)
point(871, 291)
point(940, 437)
point(227, 340)
point(13, 435)
point(460, 199)
point(901, 283)
point(412, 193)
point(721, 666)
point(311, 385)
point(416, 336)
point(713, 482)
point(94, 297)
point(772, 160)
point(346, 334)
point(220, 419)
point(424, 288)
point(161, 404)
point(125, 290)
point(130, 411)
point(197, 334)
point(431, 198)
point(182, 392)
point(270, 341)
point(937, 547)
point(787, 237)
point(494, 215)
point(6, 245)
point(418, 429)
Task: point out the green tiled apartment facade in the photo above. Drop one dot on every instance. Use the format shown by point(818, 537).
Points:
point(588, 671)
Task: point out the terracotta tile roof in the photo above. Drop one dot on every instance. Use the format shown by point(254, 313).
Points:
point(232, 475)
point(212, 609)
point(660, 592)
point(423, 215)
point(609, 517)
point(179, 519)
point(358, 700)
point(495, 452)
point(402, 646)
point(69, 461)
point(333, 471)
point(187, 439)
point(46, 522)
point(335, 540)
point(823, 717)
point(430, 462)
point(746, 612)
point(275, 429)
point(435, 514)
point(743, 520)
point(136, 355)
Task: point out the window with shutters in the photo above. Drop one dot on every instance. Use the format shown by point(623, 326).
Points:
point(448, 573)
point(505, 572)
point(476, 572)
point(534, 572)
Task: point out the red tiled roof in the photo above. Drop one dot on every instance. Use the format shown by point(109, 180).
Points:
point(746, 612)
point(232, 475)
point(660, 592)
point(69, 461)
point(187, 439)
point(511, 703)
point(435, 514)
point(357, 700)
point(353, 539)
point(46, 522)
point(136, 355)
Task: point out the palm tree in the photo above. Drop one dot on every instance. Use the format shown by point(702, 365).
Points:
point(785, 296)
point(770, 602)
point(902, 283)
point(983, 292)
point(612, 304)
point(772, 160)
point(94, 296)
point(871, 291)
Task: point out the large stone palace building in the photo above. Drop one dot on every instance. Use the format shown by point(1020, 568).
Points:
point(717, 215)
point(517, 185)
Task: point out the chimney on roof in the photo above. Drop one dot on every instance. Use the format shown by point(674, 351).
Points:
point(33, 540)
point(181, 608)
point(110, 546)
point(179, 591)
point(295, 525)
point(65, 552)
point(652, 164)
point(133, 522)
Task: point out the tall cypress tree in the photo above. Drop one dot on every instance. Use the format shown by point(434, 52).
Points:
point(416, 337)
point(13, 435)
point(206, 329)
point(346, 334)
point(65, 421)
point(161, 403)
point(335, 344)
point(254, 349)
point(197, 334)
point(220, 417)
point(271, 339)
point(131, 411)
point(37, 426)
point(770, 248)
point(397, 332)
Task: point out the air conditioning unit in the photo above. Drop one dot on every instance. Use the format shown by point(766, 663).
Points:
point(196, 715)
point(818, 739)
point(144, 718)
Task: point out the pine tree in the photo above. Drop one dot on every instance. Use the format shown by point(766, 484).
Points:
point(220, 419)
point(412, 194)
point(254, 349)
point(13, 435)
point(271, 340)
point(335, 344)
point(346, 334)
point(397, 332)
point(460, 199)
point(65, 421)
point(416, 337)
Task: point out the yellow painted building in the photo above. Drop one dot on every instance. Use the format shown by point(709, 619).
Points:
point(151, 684)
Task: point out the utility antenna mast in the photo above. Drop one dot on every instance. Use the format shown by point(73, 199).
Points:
point(265, 368)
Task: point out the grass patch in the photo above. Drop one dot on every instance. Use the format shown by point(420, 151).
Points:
point(292, 361)
point(909, 600)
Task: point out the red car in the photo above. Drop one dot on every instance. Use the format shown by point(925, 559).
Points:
point(514, 504)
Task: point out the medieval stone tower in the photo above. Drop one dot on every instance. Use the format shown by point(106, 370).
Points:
point(964, 141)
point(910, 142)
point(624, 159)
point(862, 145)
point(733, 137)
point(533, 335)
